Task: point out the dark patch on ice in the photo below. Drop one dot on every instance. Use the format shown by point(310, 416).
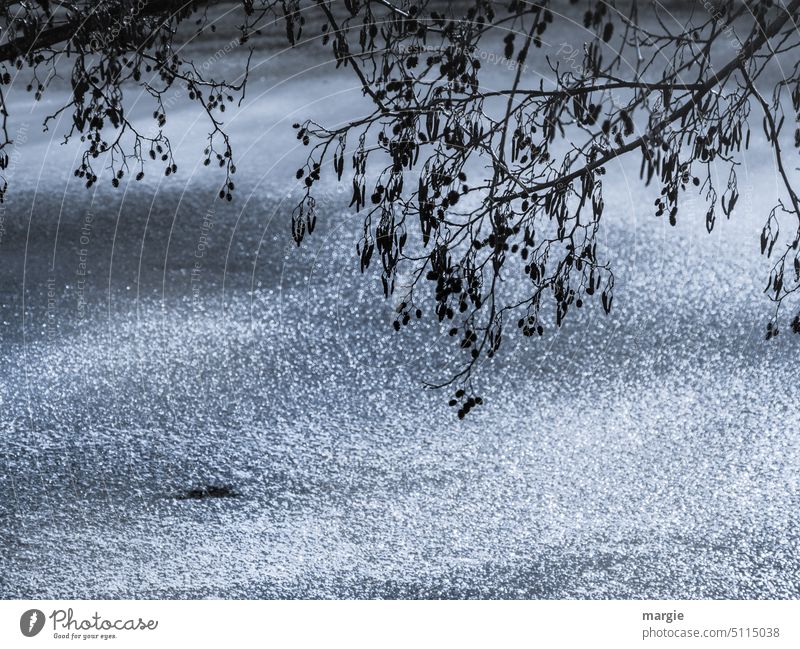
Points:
point(209, 491)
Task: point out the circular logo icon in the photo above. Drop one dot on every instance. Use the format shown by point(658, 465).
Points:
point(31, 622)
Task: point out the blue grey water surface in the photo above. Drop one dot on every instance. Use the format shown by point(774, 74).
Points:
point(652, 453)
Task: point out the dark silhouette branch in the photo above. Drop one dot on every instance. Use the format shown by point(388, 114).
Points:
point(479, 206)
point(749, 49)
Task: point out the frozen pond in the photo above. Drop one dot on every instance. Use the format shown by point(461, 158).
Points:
point(651, 453)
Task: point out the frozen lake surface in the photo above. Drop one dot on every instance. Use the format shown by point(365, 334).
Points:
point(653, 453)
